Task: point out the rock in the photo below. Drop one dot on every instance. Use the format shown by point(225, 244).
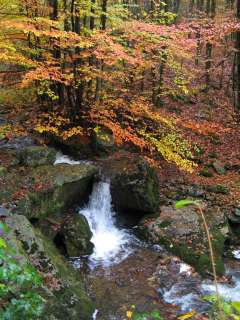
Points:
point(205, 172)
point(234, 215)
point(237, 212)
point(77, 236)
point(218, 188)
point(56, 188)
point(219, 167)
point(204, 114)
point(4, 212)
point(182, 232)
point(3, 172)
point(16, 143)
point(103, 140)
point(79, 146)
point(134, 184)
point(62, 287)
point(212, 155)
point(34, 156)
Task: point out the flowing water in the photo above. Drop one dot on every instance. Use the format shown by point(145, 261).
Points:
point(124, 271)
point(111, 244)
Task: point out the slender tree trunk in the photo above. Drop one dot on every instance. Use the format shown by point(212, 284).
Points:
point(92, 19)
point(236, 69)
point(208, 64)
point(103, 16)
point(211, 10)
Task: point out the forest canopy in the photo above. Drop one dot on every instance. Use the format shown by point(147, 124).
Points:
point(79, 67)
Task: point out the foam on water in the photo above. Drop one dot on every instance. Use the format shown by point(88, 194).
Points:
point(186, 302)
point(227, 291)
point(94, 316)
point(111, 244)
point(236, 254)
point(185, 268)
point(188, 298)
point(63, 159)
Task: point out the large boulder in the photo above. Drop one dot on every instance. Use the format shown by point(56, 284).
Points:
point(34, 156)
point(62, 287)
point(134, 184)
point(55, 188)
point(77, 236)
point(183, 233)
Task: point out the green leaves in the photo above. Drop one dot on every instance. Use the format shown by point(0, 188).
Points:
point(18, 284)
point(3, 243)
point(230, 309)
point(186, 202)
point(236, 306)
point(155, 314)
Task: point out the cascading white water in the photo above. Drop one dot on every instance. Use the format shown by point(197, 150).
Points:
point(111, 244)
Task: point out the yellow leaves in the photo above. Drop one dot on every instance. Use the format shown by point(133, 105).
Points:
point(142, 108)
point(15, 58)
point(57, 125)
point(187, 315)
point(8, 131)
point(173, 148)
point(75, 131)
point(129, 314)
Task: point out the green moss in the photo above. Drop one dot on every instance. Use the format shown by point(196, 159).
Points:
point(205, 172)
point(200, 261)
point(39, 205)
point(3, 172)
point(165, 224)
point(219, 188)
point(212, 155)
point(71, 302)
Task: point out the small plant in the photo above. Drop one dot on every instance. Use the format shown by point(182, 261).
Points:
point(182, 203)
point(19, 298)
point(135, 315)
point(230, 309)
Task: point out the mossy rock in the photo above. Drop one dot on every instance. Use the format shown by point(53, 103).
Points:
point(56, 188)
point(34, 156)
point(63, 292)
point(218, 188)
point(3, 172)
point(77, 236)
point(219, 167)
point(134, 185)
point(206, 172)
point(182, 233)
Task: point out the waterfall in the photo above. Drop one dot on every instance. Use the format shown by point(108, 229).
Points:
point(111, 244)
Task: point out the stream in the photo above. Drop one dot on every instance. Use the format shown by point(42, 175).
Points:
point(124, 271)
